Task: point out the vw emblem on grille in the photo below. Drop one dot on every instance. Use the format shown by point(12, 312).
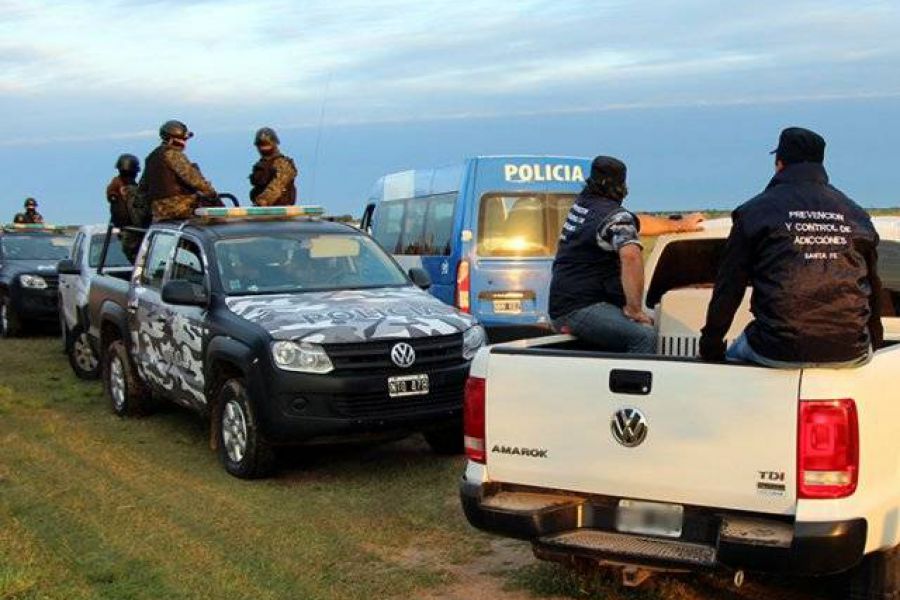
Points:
point(403, 355)
point(629, 427)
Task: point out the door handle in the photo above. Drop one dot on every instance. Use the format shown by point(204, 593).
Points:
point(637, 383)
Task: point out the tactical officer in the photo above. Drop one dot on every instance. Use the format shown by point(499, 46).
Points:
point(809, 253)
point(171, 184)
point(273, 174)
point(31, 215)
point(597, 281)
point(124, 207)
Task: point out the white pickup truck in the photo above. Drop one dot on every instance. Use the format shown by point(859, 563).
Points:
point(664, 462)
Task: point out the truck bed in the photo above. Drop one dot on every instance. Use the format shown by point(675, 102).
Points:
point(106, 288)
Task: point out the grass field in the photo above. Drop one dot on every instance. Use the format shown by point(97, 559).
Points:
point(93, 506)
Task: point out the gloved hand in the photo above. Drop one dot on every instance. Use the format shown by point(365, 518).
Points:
point(712, 350)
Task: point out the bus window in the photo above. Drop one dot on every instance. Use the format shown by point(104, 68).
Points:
point(413, 227)
point(388, 225)
point(439, 225)
point(522, 224)
point(889, 271)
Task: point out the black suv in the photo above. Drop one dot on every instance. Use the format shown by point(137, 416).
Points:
point(28, 278)
point(282, 331)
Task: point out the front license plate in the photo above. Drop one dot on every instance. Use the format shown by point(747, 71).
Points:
point(508, 306)
point(407, 385)
point(649, 518)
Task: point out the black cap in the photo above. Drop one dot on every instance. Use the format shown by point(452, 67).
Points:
point(609, 168)
point(797, 145)
point(30, 202)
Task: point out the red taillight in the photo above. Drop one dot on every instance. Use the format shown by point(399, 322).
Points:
point(473, 419)
point(463, 287)
point(828, 449)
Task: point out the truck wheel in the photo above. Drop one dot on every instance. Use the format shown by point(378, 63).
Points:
point(127, 395)
point(243, 451)
point(10, 323)
point(876, 577)
point(447, 441)
point(82, 357)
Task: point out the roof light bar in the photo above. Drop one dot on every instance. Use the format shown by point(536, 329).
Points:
point(260, 211)
point(30, 227)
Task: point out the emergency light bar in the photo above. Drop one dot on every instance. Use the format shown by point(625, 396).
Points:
point(260, 211)
point(31, 227)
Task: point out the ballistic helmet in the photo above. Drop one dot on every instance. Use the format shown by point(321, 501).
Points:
point(174, 129)
point(266, 136)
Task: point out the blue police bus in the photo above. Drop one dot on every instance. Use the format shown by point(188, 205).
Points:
point(485, 230)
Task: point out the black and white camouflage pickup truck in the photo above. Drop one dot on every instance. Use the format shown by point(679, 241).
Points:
point(282, 330)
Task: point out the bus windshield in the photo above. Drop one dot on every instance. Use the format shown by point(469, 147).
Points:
point(521, 225)
point(270, 265)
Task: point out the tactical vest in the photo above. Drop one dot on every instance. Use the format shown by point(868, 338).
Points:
point(159, 180)
point(583, 272)
point(263, 174)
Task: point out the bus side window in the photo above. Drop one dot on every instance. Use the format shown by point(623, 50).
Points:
point(889, 271)
point(388, 225)
point(413, 241)
point(439, 225)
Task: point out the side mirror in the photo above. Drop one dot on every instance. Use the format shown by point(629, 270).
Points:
point(184, 293)
point(67, 266)
point(420, 277)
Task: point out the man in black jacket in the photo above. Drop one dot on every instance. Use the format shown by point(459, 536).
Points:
point(809, 253)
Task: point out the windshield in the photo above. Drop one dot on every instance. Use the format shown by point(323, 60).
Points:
point(114, 256)
point(270, 265)
point(521, 225)
point(35, 247)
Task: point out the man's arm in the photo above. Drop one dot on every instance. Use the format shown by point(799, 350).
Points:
point(653, 225)
point(284, 174)
point(188, 173)
point(632, 260)
point(731, 285)
point(876, 329)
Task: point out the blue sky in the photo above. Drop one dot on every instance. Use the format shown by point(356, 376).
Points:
point(691, 94)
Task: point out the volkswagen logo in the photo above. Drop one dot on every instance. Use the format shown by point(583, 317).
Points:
point(629, 427)
point(403, 355)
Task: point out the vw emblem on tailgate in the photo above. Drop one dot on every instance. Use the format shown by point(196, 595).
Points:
point(629, 427)
point(403, 355)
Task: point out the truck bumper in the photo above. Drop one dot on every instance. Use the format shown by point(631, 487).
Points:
point(301, 408)
point(564, 526)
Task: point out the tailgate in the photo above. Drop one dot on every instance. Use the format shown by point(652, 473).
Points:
point(716, 435)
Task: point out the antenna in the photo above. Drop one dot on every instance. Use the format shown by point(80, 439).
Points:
point(315, 165)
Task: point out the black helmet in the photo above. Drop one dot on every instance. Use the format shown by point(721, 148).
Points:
point(175, 129)
point(30, 202)
point(128, 163)
point(266, 135)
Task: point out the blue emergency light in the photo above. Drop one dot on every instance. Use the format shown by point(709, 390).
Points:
point(242, 212)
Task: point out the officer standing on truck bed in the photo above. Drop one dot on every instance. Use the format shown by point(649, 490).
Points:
point(171, 184)
point(810, 254)
point(31, 216)
point(597, 284)
point(273, 174)
point(123, 205)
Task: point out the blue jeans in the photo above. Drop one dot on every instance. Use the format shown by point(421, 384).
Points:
point(741, 351)
point(606, 326)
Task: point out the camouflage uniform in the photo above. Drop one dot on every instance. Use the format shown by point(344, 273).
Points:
point(273, 181)
point(28, 218)
point(121, 194)
point(171, 182)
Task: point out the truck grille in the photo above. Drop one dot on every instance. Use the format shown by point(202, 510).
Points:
point(445, 350)
point(380, 405)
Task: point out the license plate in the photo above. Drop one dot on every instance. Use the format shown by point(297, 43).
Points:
point(407, 385)
point(649, 518)
point(508, 306)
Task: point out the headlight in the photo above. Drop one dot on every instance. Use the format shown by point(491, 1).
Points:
point(473, 339)
point(34, 282)
point(303, 357)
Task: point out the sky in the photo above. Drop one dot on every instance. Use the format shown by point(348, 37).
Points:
point(691, 94)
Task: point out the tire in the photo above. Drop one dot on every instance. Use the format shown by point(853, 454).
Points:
point(242, 448)
point(877, 577)
point(127, 394)
point(447, 441)
point(82, 357)
point(10, 324)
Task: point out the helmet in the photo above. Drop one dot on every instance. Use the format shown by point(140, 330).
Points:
point(128, 163)
point(175, 129)
point(30, 203)
point(265, 136)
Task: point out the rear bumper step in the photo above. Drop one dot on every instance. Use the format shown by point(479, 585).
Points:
point(562, 524)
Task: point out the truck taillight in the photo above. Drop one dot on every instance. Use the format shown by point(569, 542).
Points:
point(828, 449)
point(463, 287)
point(473, 419)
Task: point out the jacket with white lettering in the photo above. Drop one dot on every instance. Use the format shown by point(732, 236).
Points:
point(809, 253)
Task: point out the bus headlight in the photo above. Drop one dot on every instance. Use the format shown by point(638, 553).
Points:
point(473, 339)
point(303, 357)
point(33, 282)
